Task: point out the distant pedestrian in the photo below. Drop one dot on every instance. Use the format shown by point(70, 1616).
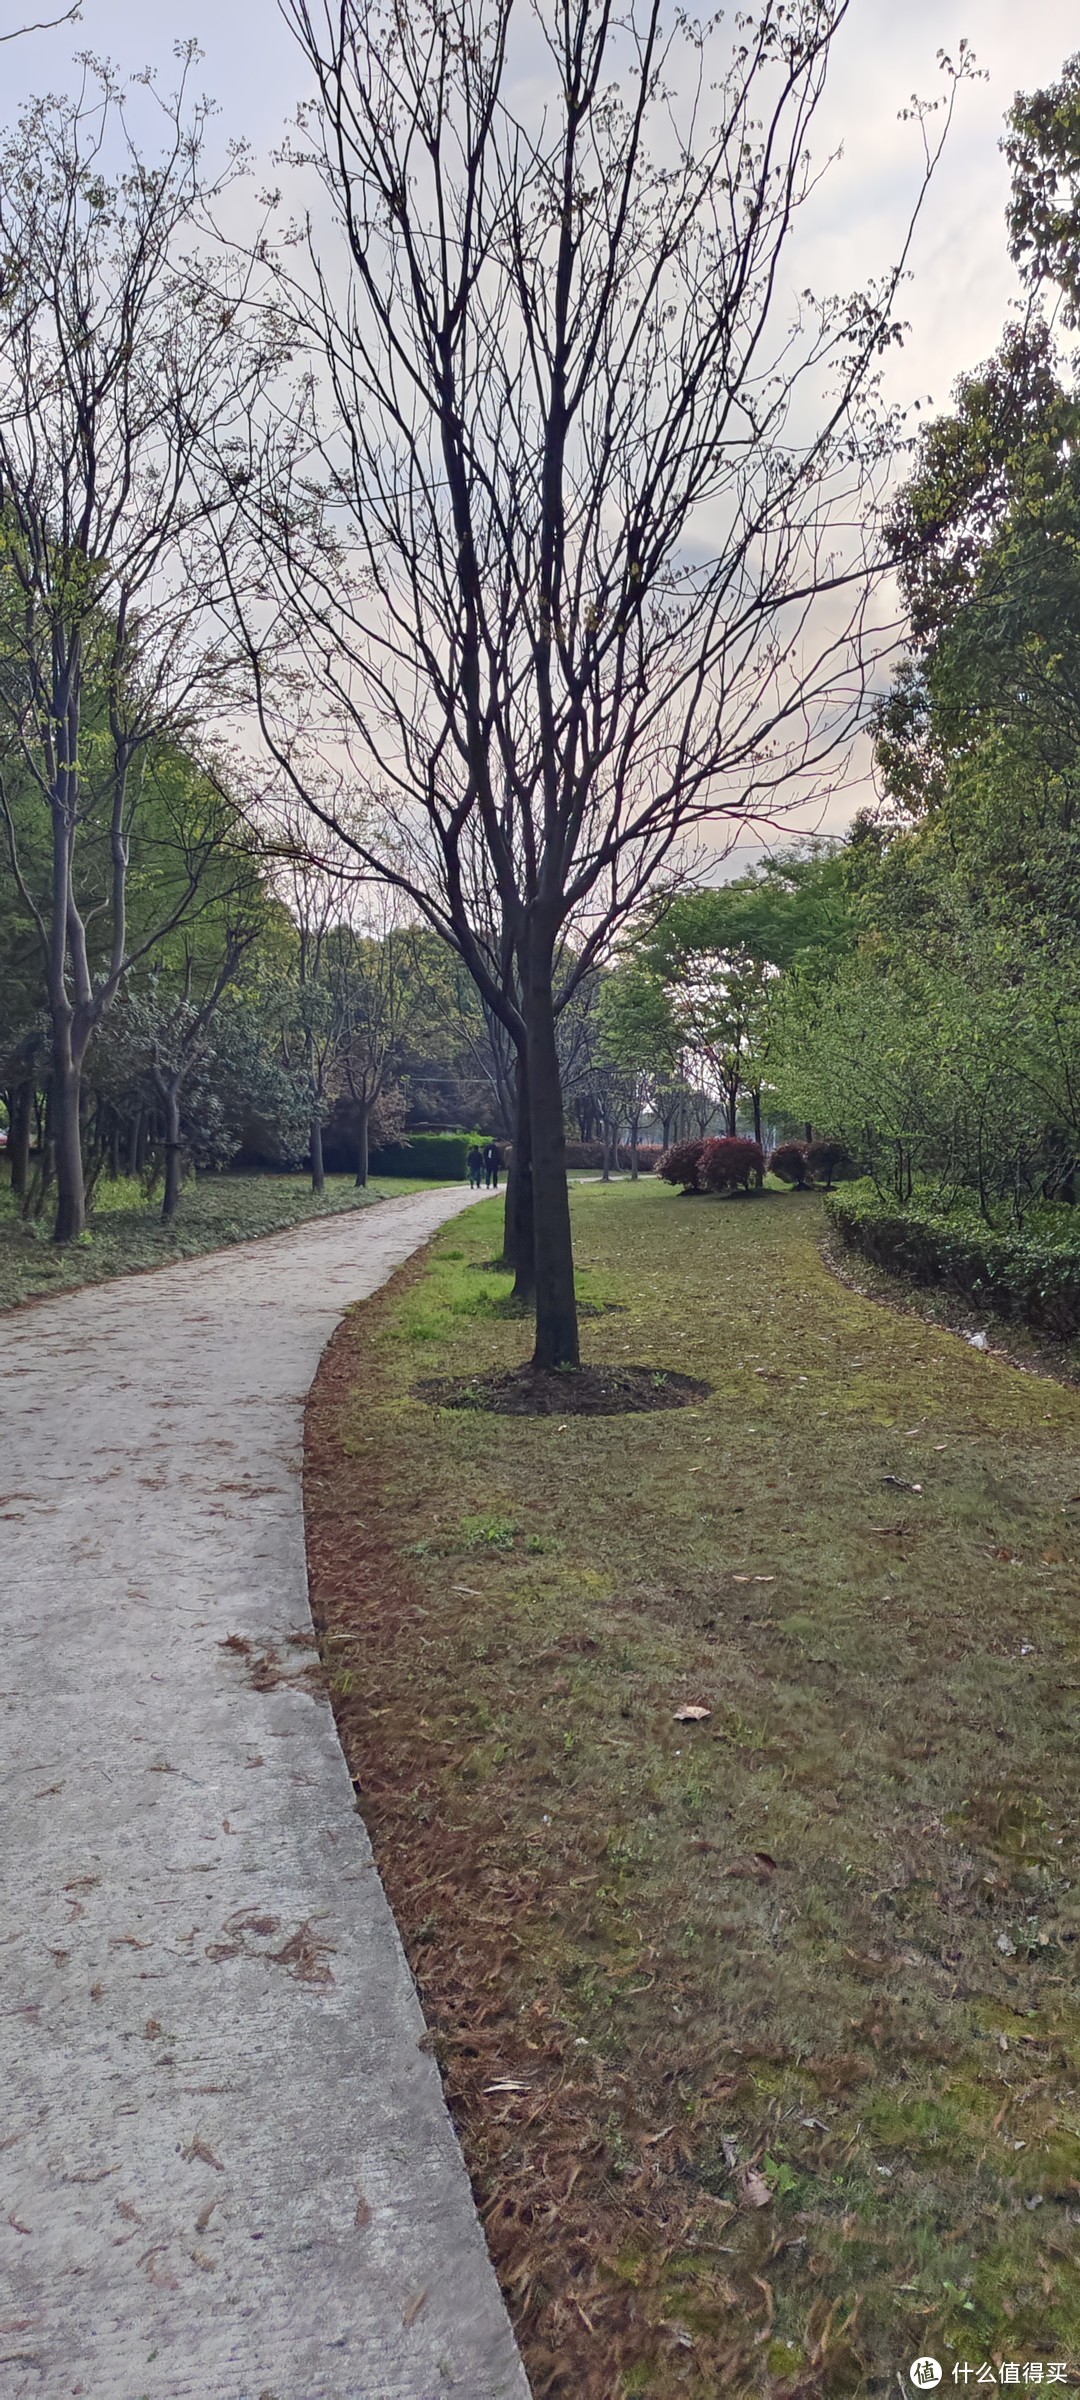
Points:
point(492, 1163)
point(475, 1163)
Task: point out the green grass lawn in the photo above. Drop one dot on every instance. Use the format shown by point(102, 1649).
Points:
point(762, 2033)
point(125, 1232)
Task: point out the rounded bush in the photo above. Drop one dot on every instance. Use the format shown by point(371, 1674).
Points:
point(788, 1162)
point(730, 1163)
point(825, 1160)
point(680, 1164)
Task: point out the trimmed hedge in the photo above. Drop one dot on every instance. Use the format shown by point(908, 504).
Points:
point(788, 1163)
point(729, 1162)
point(1034, 1283)
point(825, 1160)
point(444, 1155)
point(680, 1164)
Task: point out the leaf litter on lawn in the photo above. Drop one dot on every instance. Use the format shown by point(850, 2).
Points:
point(657, 1961)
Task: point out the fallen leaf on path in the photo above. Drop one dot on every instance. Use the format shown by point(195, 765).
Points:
point(204, 2216)
point(166, 2282)
point(692, 1713)
point(200, 2149)
point(362, 2218)
point(752, 2189)
point(304, 1954)
point(414, 2308)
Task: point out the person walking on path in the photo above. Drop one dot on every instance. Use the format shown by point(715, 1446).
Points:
point(492, 1163)
point(475, 1163)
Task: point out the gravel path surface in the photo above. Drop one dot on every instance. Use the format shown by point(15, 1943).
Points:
point(226, 2168)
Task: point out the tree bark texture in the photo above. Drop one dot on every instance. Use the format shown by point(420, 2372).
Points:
point(318, 1170)
point(363, 1113)
point(519, 1230)
point(556, 1305)
point(170, 1200)
point(20, 1113)
point(66, 1133)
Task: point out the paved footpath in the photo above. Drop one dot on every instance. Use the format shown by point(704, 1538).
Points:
point(226, 2168)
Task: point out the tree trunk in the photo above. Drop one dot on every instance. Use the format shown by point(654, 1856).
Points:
point(318, 1171)
point(556, 1303)
point(363, 1112)
point(757, 1115)
point(634, 1133)
point(66, 1132)
point(171, 1098)
point(519, 1233)
point(21, 1109)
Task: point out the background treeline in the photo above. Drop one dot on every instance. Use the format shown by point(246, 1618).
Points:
point(914, 991)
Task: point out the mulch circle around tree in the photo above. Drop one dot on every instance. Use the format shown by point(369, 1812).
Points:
point(565, 1392)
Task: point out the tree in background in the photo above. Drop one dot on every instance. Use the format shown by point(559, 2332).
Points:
point(123, 372)
point(637, 1036)
point(718, 955)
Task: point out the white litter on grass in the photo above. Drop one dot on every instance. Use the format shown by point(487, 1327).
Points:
point(978, 1341)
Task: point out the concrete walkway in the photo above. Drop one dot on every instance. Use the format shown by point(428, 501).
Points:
point(226, 2168)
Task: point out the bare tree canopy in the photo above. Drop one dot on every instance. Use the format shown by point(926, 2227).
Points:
point(601, 489)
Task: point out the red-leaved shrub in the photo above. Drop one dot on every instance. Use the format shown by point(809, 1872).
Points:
point(680, 1164)
point(827, 1159)
point(788, 1161)
point(726, 1164)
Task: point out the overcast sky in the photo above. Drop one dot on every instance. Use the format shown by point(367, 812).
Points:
point(962, 280)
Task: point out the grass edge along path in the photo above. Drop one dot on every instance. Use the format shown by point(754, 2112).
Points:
point(761, 2031)
point(215, 1212)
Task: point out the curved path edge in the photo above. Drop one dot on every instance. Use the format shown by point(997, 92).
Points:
point(227, 2171)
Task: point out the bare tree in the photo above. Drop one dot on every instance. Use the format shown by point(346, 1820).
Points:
point(595, 470)
point(122, 367)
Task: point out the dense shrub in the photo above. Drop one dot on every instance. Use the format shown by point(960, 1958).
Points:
point(1034, 1283)
point(788, 1162)
point(730, 1163)
point(680, 1165)
point(826, 1160)
point(444, 1155)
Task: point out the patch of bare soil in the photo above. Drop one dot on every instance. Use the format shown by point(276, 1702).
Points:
point(605, 1391)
